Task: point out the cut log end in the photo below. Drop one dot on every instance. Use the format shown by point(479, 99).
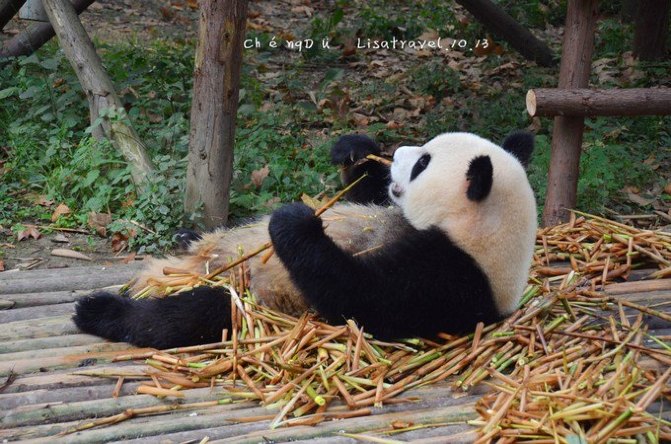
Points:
point(531, 103)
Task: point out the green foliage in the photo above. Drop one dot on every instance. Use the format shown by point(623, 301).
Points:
point(295, 167)
point(159, 209)
point(536, 13)
point(612, 38)
point(436, 78)
point(43, 121)
point(406, 20)
point(613, 157)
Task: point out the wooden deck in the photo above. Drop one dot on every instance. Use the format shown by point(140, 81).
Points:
point(41, 396)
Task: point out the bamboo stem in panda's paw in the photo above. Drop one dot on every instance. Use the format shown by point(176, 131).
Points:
point(379, 159)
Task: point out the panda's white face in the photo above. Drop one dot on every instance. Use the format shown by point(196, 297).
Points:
point(405, 158)
point(433, 184)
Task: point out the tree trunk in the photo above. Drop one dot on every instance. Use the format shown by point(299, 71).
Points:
point(599, 102)
point(214, 108)
point(628, 10)
point(36, 35)
point(494, 18)
point(576, 63)
point(99, 89)
point(652, 29)
point(8, 9)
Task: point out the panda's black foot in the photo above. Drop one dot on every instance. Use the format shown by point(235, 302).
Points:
point(193, 317)
point(103, 314)
point(352, 147)
point(185, 237)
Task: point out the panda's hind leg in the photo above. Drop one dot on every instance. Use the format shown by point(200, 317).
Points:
point(193, 317)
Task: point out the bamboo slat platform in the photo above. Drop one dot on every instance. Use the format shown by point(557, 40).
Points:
point(41, 394)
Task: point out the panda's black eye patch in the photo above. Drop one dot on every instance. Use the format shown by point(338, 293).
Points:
point(420, 166)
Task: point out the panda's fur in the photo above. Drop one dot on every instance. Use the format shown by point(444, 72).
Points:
point(454, 250)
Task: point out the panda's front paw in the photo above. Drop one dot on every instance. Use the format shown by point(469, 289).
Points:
point(352, 147)
point(292, 223)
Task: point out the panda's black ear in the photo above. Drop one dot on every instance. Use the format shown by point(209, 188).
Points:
point(480, 176)
point(520, 144)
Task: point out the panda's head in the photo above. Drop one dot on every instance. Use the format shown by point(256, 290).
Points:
point(477, 192)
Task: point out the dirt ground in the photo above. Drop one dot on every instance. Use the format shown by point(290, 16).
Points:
point(44, 252)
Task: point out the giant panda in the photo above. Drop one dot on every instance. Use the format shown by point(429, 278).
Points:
point(452, 250)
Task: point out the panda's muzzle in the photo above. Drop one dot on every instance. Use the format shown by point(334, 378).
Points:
point(396, 189)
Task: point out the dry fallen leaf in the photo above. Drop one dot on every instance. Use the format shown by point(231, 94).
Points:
point(258, 176)
point(272, 202)
point(119, 242)
point(99, 222)
point(130, 258)
point(60, 210)
point(64, 252)
point(667, 188)
point(429, 34)
point(167, 13)
point(60, 238)
point(30, 231)
point(43, 201)
point(349, 47)
point(360, 119)
point(490, 48)
point(154, 118)
point(2, 265)
point(398, 424)
point(639, 200)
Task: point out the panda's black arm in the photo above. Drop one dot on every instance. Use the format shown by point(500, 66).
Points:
point(349, 152)
point(394, 292)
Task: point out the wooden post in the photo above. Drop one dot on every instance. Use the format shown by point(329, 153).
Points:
point(599, 102)
point(501, 24)
point(214, 108)
point(628, 10)
point(8, 9)
point(99, 89)
point(35, 36)
point(576, 62)
point(652, 29)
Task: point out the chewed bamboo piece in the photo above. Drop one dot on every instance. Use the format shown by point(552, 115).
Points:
point(379, 159)
point(571, 365)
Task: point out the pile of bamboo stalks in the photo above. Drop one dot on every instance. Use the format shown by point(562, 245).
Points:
point(571, 365)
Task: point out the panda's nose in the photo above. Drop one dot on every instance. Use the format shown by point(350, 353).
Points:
point(396, 190)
